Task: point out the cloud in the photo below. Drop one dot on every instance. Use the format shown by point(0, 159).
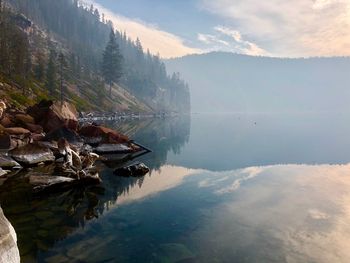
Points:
point(156, 40)
point(228, 39)
point(289, 28)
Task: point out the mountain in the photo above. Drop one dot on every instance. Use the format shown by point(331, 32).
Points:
point(44, 43)
point(227, 82)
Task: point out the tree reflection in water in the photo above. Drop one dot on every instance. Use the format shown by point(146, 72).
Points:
point(40, 221)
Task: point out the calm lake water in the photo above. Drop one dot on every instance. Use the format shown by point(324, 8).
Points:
point(223, 188)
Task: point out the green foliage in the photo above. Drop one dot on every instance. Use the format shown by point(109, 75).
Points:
point(14, 46)
point(82, 33)
point(19, 98)
point(112, 61)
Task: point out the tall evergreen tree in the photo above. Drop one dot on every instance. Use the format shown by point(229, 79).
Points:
point(112, 62)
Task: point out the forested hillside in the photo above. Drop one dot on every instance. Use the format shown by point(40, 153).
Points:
point(64, 42)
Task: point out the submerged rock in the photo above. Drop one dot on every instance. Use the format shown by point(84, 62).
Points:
point(42, 183)
point(32, 154)
point(9, 252)
point(46, 182)
point(134, 170)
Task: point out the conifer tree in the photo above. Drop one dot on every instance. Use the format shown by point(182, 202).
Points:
point(112, 62)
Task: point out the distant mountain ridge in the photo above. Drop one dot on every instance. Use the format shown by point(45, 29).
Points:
point(227, 82)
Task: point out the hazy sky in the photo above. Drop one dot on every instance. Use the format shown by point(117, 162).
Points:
point(298, 28)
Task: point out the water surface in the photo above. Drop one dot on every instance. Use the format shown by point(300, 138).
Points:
point(223, 188)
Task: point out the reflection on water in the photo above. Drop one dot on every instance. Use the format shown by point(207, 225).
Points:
point(189, 209)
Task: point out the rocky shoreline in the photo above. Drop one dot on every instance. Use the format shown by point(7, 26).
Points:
point(50, 133)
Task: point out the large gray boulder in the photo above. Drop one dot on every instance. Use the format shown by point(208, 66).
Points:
point(32, 154)
point(9, 252)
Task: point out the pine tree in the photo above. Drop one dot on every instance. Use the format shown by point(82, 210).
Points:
point(51, 73)
point(112, 62)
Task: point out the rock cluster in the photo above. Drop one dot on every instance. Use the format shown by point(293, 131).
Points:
point(49, 132)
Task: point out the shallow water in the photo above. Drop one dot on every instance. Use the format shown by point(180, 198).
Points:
point(223, 188)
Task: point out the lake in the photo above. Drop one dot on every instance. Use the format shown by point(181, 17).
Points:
point(222, 188)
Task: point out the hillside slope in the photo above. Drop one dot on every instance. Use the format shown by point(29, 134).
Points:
point(59, 49)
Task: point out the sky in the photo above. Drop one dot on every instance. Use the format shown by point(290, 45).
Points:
point(278, 28)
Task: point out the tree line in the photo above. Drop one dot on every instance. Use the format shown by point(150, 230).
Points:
point(88, 40)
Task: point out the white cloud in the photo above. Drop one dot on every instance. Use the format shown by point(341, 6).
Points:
point(156, 40)
point(228, 39)
point(289, 28)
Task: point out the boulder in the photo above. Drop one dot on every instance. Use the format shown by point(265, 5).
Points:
point(8, 162)
point(32, 154)
point(53, 115)
point(9, 142)
point(16, 131)
point(43, 183)
point(63, 132)
point(6, 121)
point(34, 128)
point(9, 252)
point(48, 182)
point(22, 118)
point(113, 148)
point(94, 134)
point(134, 170)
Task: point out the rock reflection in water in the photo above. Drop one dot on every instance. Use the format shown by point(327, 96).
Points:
point(42, 221)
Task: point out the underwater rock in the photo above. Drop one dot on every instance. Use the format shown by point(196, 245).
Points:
point(32, 154)
point(46, 182)
point(134, 170)
point(43, 183)
point(9, 252)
